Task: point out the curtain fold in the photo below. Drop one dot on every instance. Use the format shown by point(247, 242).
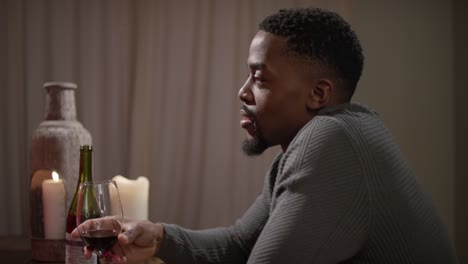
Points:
point(157, 89)
point(156, 99)
point(14, 115)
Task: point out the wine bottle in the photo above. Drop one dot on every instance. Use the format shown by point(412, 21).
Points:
point(74, 247)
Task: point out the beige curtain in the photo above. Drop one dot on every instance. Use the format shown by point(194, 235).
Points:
point(158, 84)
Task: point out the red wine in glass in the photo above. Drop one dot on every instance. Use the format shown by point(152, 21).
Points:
point(100, 239)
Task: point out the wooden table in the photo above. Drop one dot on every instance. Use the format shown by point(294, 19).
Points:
point(17, 250)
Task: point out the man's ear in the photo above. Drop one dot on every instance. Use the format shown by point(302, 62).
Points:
point(320, 94)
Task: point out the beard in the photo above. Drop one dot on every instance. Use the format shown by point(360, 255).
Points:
point(254, 146)
point(257, 144)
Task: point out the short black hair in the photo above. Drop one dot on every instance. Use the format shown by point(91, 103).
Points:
point(321, 36)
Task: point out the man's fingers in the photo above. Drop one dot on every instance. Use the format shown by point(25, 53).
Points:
point(113, 258)
point(128, 236)
point(74, 234)
point(88, 252)
point(118, 259)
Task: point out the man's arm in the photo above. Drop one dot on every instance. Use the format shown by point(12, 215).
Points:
point(219, 245)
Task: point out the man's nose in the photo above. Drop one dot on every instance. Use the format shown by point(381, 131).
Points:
point(245, 93)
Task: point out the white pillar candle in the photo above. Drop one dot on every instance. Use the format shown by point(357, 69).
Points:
point(134, 196)
point(53, 201)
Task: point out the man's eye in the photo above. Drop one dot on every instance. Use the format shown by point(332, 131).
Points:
point(255, 78)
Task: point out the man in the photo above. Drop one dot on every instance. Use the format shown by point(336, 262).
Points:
point(340, 191)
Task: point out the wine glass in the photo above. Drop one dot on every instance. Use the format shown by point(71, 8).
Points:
point(99, 200)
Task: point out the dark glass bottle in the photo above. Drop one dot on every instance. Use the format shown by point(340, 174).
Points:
point(74, 248)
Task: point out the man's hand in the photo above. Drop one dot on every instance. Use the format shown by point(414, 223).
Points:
point(139, 240)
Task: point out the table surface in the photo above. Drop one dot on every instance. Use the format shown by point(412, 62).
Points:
point(17, 250)
point(15, 256)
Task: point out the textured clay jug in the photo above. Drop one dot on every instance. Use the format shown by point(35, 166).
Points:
point(55, 147)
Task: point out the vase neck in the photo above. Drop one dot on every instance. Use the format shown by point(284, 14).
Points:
point(60, 101)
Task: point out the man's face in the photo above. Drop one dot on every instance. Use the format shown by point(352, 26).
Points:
point(274, 95)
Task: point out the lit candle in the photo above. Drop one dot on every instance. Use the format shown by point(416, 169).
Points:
point(53, 201)
point(134, 196)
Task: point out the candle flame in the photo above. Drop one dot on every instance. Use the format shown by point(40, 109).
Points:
point(55, 176)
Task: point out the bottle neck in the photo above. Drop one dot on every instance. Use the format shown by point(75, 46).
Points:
point(86, 174)
point(60, 103)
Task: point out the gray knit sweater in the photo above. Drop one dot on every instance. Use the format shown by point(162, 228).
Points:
point(341, 193)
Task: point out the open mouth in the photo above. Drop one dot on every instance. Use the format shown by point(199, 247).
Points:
point(247, 121)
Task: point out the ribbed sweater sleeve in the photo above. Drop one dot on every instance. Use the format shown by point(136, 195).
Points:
point(224, 244)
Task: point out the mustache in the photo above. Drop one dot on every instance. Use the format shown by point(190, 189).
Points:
point(249, 112)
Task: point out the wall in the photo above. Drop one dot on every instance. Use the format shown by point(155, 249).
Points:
point(460, 23)
point(408, 79)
